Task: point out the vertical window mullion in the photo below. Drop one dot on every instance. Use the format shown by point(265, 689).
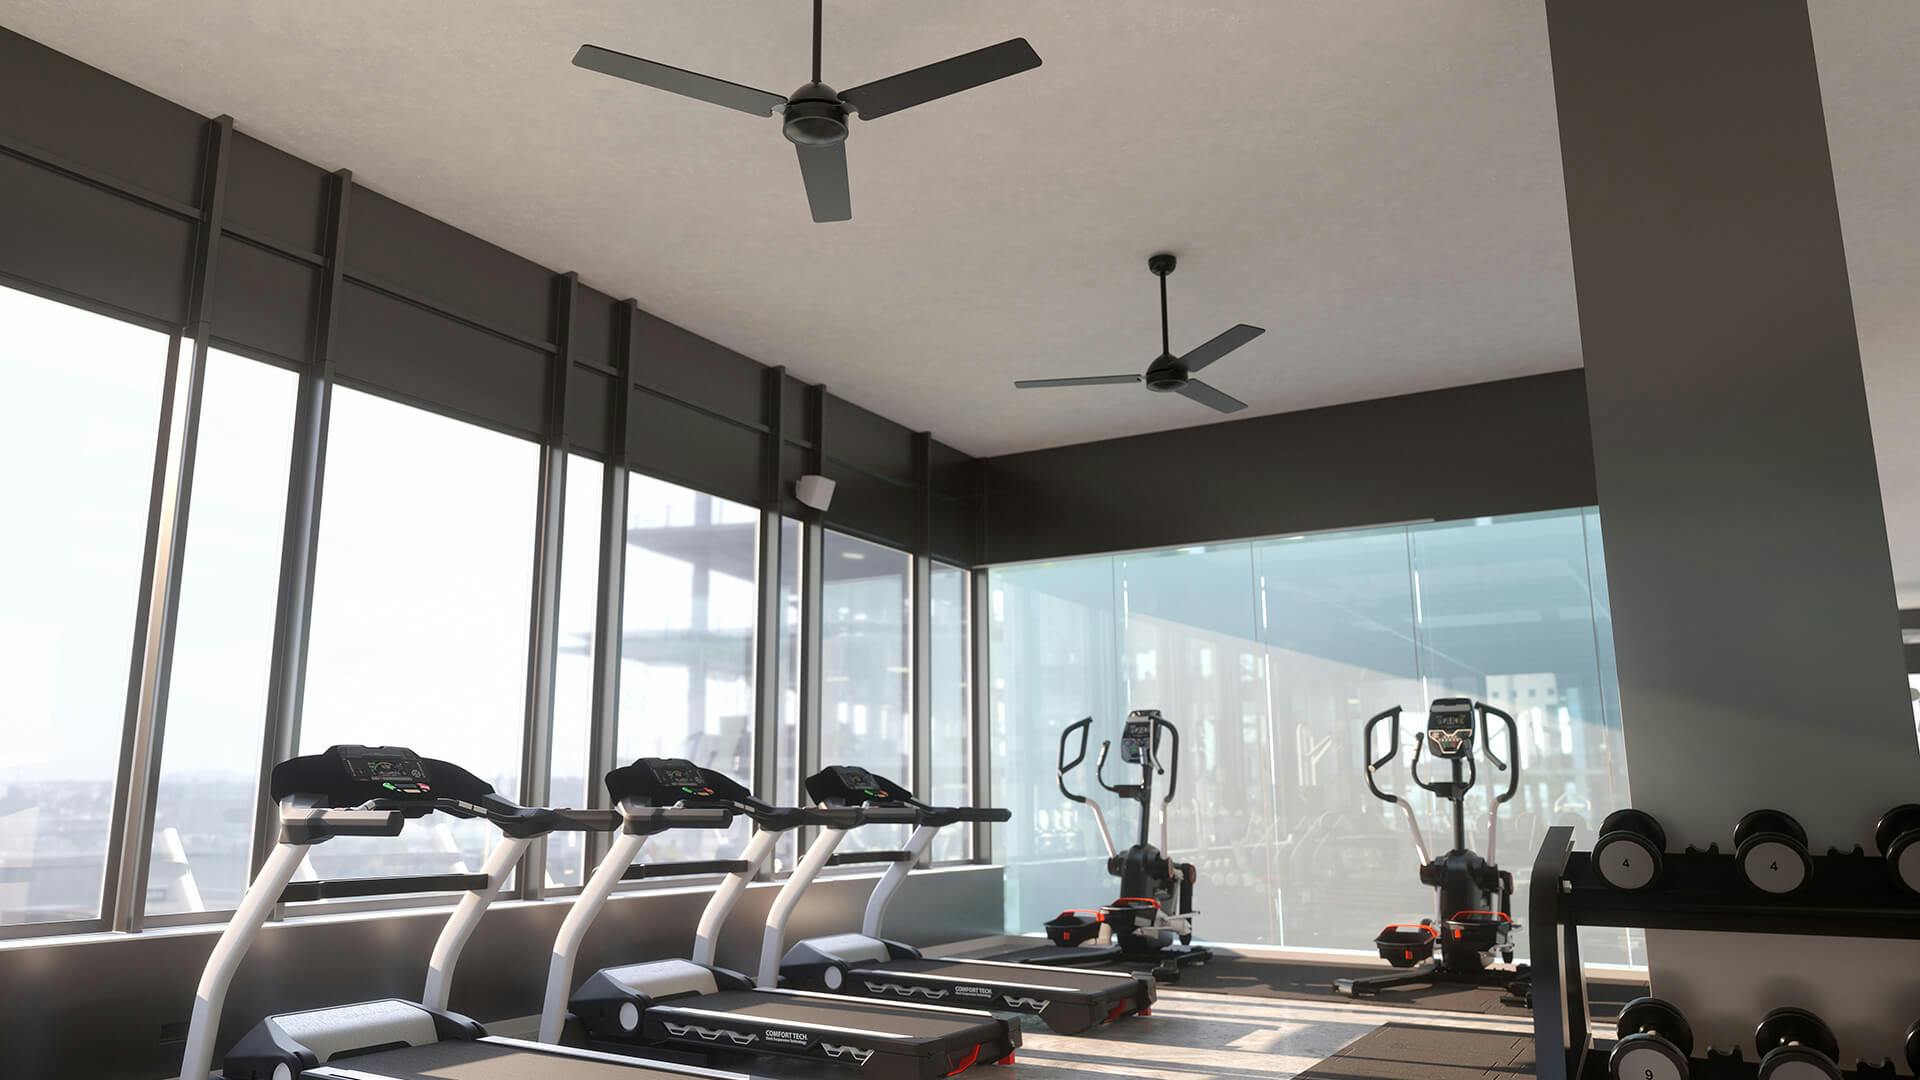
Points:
point(979, 627)
point(604, 728)
point(536, 754)
point(131, 844)
point(286, 684)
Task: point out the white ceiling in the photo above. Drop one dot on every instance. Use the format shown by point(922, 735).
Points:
point(1377, 182)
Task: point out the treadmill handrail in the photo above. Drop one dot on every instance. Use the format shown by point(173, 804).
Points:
point(210, 996)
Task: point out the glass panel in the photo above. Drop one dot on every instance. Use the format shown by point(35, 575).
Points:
point(1192, 651)
point(420, 613)
point(686, 658)
point(950, 685)
point(79, 409)
point(1337, 611)
point(1507, 615)
point(1055, 658)
point(568, 782)
point(1270, 657)
point(865, 705)
point(223, 645)
point(787, 753)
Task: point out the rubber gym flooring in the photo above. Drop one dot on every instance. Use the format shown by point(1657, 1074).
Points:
point(1260, 977)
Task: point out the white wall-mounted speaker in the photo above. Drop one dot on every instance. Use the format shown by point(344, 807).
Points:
point(814, 490)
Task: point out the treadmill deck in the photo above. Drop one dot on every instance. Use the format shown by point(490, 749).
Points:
point(485, 1059)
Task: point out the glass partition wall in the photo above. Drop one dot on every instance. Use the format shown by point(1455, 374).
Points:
point(1270, 656)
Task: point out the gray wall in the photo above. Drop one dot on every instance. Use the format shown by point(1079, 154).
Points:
point(95, 1007)
point(1494, 448)
point(1753, 603)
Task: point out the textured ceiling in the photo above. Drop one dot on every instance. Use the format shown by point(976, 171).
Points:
point(1377, 182)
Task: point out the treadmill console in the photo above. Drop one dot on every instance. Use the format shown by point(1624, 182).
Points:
point(850, 785)
point(1450, 728)
point(1140, 736)
point(675, 781)
point(342, 776)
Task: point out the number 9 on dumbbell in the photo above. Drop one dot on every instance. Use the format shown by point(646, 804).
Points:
point(1654, 1042)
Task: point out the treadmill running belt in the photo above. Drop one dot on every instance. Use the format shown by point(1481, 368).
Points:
point(462, 1059)
point(890, 1021)
point(1056, 980)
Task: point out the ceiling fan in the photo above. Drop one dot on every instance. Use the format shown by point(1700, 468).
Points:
point(816, 114)
point(1170, 373)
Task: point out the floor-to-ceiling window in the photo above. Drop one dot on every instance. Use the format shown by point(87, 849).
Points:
point(223, 645)
point(423, 579)
point(686, 658)
point(80, 401)
point(950, 699)
point(865, 693)
point(568, 782)
point(1270, 657)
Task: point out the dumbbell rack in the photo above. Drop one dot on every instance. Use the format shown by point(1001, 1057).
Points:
point(1849, 895)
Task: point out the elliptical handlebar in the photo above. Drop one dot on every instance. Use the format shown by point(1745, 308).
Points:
point(1376, 764)
point(1513, 747)
point(1372, 764)
point(1173, 775)
point(1100, 766)
point(1084, 727)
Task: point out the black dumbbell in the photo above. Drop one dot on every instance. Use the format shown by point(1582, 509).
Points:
point(1794, 1044)
point(1771, 849)
point(1628, 853)
point(1654, 1042)
point(1913, 1048)
point(1897, 836)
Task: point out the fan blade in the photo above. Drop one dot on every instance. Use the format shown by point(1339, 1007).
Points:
point(824, 170)
point(1222, 344)
point(1215, 399)
point(674, 80)
point(1080, 380)
point(921, 85)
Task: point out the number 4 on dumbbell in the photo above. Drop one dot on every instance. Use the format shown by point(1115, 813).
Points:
point(1771, 849)
point(1628, 853)
point(1794, 1044)
point(1654, 1042)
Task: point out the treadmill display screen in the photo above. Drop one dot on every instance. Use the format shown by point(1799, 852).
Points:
point(679, 774)
point(856, 779)
point(383, 764)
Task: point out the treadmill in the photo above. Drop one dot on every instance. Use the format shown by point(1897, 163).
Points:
point(1067, 1000)
point(373, 791)
point(694, 1005)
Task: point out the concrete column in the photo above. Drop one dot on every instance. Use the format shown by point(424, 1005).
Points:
point(1753, 603)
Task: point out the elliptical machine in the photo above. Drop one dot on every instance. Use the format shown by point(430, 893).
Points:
point(1153, 916)
point(1475, 897)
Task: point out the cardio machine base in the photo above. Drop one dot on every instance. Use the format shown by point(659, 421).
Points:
point(1515, 980)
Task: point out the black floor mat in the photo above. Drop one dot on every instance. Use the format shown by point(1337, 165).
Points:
point(1255, 977)
point(1404, 1052)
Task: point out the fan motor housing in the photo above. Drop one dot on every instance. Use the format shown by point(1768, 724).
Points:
point(1166, 378)
point(815, 117)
